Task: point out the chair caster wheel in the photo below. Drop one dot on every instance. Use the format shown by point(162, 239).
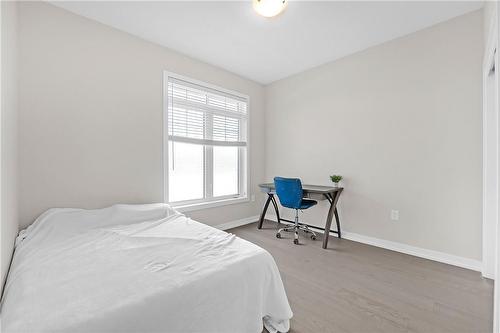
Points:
point(278, 235)
point(313, 237)
point(296, 241)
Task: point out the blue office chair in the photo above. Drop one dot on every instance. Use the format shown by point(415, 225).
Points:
point(289, 191)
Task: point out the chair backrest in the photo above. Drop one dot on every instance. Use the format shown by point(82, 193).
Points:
point(289, 191)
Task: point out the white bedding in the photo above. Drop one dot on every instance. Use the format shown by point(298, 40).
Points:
point(139, 268)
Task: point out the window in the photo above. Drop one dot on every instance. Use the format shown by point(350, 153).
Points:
point(205, 150)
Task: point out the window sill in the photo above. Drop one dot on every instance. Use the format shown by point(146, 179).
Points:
point(210, 204)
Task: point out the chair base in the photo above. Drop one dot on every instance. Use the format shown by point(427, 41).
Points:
point(295, 228)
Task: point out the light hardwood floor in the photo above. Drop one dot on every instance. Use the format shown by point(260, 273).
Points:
point(352, 287)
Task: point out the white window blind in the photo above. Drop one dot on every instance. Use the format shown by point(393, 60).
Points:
point(201, 115)
point(206, 155)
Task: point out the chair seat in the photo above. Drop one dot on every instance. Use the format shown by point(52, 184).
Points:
point(307, 203)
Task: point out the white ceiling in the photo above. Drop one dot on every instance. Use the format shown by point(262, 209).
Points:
point(232, 36)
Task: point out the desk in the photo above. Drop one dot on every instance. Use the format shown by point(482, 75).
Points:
point(315, 192)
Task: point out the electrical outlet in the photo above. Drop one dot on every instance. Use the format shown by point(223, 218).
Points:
point(395, 215)
point(252, 197)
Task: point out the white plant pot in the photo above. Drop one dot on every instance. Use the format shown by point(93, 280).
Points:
point(335, 184)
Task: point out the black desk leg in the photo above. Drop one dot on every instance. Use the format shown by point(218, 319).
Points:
point(328, 221)
point(333, 199)
point(264, 210)
point(276, 209)
point(270, 198)
point(338, 222)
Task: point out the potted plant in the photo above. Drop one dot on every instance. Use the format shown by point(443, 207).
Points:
point(336, 179)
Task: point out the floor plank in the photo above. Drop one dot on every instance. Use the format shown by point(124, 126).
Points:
point(353, 287)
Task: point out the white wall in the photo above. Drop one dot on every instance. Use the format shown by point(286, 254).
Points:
point(490, 174)
point(490, 143)
point(489, 10)
point(91, 115)
point(402, 122)
point(491, 257)
point(8, 202)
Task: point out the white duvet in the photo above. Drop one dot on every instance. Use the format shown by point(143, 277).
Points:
point(139, 268)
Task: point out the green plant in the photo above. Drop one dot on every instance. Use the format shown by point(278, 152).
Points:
point(336, 178)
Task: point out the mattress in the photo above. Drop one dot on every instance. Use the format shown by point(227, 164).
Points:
point(139, 268)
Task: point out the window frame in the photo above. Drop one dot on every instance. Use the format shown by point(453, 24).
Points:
point(243, 158)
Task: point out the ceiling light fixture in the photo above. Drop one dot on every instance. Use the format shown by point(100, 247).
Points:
point(269, 8)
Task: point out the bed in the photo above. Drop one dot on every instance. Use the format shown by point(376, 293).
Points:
point(139, 268)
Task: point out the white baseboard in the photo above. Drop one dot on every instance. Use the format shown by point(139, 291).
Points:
point(237, 223)
point(446, 258)
point(487, 273)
